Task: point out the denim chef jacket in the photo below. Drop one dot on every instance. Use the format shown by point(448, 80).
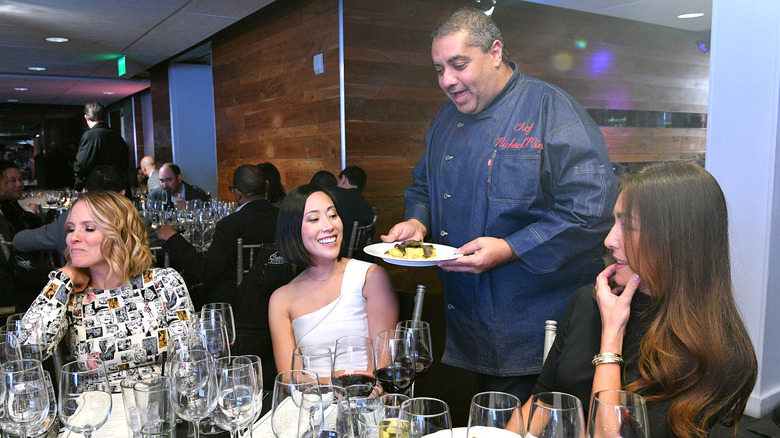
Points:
point(531, 168)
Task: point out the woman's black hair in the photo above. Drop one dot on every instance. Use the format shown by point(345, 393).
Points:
point(289, 239)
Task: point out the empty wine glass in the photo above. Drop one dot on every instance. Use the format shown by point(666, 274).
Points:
point(257, 367)
point(285, 406)
point(419, 333)
point(226, 310)
point(427, 416)
point(395, 369)
point(319, 414)
point(85, 397)
point(50, 423)
point(213, 336)
point(23, 396)
point(354, 365)
point(316, 358)
point(236, 392)
point(555, 415)
point(194, 385)
point(495, 414)
point(618, 414)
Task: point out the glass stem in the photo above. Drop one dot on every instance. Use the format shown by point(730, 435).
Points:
point(194, 432)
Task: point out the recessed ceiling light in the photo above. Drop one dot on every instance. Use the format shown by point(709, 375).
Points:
point(108, 92)
point(20, 89)
point(36, 68)
point(691, 15)
point(57, 40)
point(13, 100)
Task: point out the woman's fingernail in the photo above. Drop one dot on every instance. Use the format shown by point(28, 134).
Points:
point(635, 277)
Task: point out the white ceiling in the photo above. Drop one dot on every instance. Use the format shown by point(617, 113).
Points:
point(148, 32)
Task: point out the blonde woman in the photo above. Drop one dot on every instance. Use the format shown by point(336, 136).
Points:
point(108, 300)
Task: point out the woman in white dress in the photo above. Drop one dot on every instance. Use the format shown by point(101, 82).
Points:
point(333, 296)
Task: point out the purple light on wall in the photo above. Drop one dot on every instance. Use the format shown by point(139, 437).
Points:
point(600, 62)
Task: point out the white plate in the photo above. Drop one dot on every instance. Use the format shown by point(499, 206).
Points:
point(443, 252)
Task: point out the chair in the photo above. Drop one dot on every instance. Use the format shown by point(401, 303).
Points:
point(361, 236)
point(242, 268)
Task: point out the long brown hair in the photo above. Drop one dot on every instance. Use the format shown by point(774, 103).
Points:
point(697, 353)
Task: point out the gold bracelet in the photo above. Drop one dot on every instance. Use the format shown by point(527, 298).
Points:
point(603, 358)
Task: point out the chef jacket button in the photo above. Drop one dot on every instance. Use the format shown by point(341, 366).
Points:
point(448, 157)
point(443, 233)
point(450, 307)
point(447, 196)
point(459, 125)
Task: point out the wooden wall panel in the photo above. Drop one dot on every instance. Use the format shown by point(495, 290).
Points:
point(269, 104)
point(161, 114)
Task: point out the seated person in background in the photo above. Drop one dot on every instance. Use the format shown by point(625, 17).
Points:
point(333, 296)
point(149, 169)
point(352, 205)
point(274, 180)
point(254, 221)
point(324, 179)
point(108, 300)
point(21, 218)
point(51, 237)
point(174, 188)
point(666, 306)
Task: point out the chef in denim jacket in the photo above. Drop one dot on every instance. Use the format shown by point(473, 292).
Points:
point(517, 177)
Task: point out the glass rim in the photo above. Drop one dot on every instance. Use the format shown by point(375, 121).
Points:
point(504, 395)
point(630, 395)
point(280, 377)
point(347, 341)
point(423, 324)
point(396, 334)
point(67, 368)
point(578, 404)
point(222, 304)
point(297, 350)
point(441, 404)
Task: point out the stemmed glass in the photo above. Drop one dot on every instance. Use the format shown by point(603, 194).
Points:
point(236, 393)
point(23, 396)
point(257, 368)
point(289, 387)
point(617, 413)
point(154, 406)
point(426, 416)
point(419, 333)
point(319, 414)
point(495, 414)
point(354, 365)
point(213, 336)
point(194, 385)
point(395, 370)
point(85, 397)
point(226, 311)
point(316, 358)
point(51, 413)
point(555, 415)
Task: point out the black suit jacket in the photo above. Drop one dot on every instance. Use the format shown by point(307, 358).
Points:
point(255, 222)
point(100, 145)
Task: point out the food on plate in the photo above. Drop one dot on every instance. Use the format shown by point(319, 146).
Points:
point(412, 249)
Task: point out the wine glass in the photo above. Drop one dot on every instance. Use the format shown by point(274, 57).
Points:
point(23, 396)
point(495, 414)
point(194, 385)
point(285, 406)
point(419, 332)
point(226, 310)
point(319, 414)
point(555, 415)
point(51, 420)
point(426, 416)
point(213, 336)
point(316, 358)
point(395, 362)
point(85, 397)
point(236, 392)
point(354, 365)
point(257, 367)
point(617, 413)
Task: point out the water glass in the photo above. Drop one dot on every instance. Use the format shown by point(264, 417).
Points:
point(319, 415)
point(316, 358)
point(194, 386)
point(24, 397)
point(236, 392)
point(495, 414)
point(154, 407)
point(289, 387)
point(615, 413)
point(128, 400)
point(555, 415)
